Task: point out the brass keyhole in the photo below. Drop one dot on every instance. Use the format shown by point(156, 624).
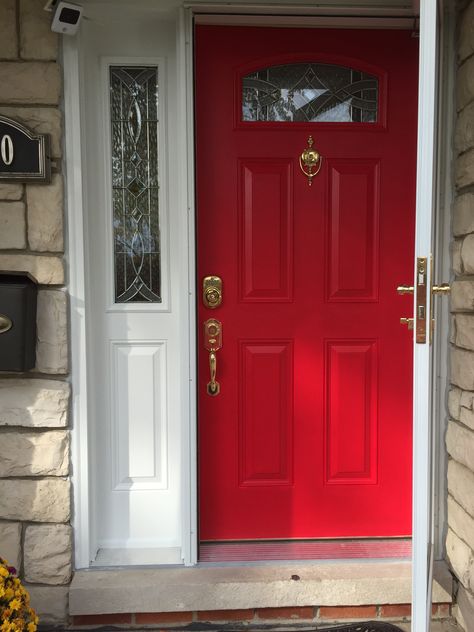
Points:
point(212, 296)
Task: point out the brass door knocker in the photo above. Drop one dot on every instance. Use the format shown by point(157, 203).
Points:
point(312, 160)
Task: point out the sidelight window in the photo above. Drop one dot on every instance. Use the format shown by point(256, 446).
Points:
point(135, 186)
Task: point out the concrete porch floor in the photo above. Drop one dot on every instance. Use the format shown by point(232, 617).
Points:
point(233, 587)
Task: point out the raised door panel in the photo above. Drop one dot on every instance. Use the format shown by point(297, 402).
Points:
point(351, 412)
point(353, 231)
point(266, 231)
point(266, 412)
point(138, 405)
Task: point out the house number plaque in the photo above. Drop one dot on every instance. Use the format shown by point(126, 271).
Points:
point(24, 156)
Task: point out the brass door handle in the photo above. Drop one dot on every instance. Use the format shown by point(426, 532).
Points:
point(213, 387)
point(424, 322)
point(442, 289)
point(405, 289)
point(213, 342)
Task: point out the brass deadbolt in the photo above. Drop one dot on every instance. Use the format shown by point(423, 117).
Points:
point(212, 291)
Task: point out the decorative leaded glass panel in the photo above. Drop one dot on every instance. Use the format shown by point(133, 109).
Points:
point(134, 120)
point(305, 92)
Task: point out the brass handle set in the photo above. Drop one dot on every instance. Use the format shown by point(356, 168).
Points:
point(421, 294)
point(212, 298)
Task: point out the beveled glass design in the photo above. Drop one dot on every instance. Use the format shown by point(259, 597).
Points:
point(134, 124)
point(310, 92)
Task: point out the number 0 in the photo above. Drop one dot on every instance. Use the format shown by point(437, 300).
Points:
point(6, 149)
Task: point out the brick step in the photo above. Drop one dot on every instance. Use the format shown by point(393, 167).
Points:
point(302, 614)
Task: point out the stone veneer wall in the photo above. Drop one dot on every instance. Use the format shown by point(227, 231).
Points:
point(460, 433)
point(35, 534)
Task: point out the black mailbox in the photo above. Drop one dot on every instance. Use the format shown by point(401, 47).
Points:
point(18, 295)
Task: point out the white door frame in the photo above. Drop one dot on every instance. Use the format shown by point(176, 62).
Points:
point(422, 556)
point(76, 256)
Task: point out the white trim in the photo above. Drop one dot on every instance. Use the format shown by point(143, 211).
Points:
point(163, 200)
point(302, 21)
point(422, 383)
point(339, 9)
point(186, 148)
point(153, 556)
point(76, 287)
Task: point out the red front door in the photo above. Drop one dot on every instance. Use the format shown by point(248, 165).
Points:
point(310, 434)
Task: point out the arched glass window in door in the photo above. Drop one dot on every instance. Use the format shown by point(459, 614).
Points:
point(310, 92)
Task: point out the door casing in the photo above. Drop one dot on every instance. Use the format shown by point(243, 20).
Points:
point(76, 190)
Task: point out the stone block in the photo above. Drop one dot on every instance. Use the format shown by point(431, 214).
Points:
point(40, 121)
point(37, 41)
point(460, 485)
point(30, 82)
point(464, 132)
point(48, 554)
point(52, 336)
point(467, 417)
point(462, 368)
point(12, 225)
point(466, 400)
point(45, 216)
point(465, 39)
point(461, 522)
point(8, 37)
point(465, 331)
point(461, 558)
point(456, 256)
point(464, 169)
point(34, 453)
point(11, 192)
point(463, 214)
point(460, 444)
point(10, 543)
point(454, 402)
point(40, 500)
point(50, 603)
point(34, 403)
point(466, 409)
point(467, 254)
point(462, 296)
point(465, 609)
point(452, 328)
point(46, 270)
point(465, 84)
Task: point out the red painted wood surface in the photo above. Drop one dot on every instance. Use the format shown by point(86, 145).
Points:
point(310, 436)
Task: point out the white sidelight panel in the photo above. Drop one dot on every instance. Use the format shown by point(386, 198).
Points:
point(136, 293)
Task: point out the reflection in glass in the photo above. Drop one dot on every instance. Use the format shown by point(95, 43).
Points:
point(306, 92)
point(134, 123)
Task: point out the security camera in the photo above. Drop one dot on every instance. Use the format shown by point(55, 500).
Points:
point(67, 17)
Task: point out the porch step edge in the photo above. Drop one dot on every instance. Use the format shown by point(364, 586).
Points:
point(180, 589)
